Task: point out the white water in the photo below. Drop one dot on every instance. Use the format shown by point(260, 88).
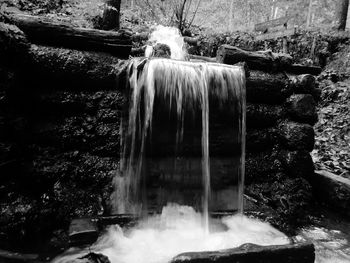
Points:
point(170, 36)
point(187, 87)
point(178, 229)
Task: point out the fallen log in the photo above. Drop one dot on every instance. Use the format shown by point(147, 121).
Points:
point(191, 40)
point(264, 87)
point(263, 60)
point(302, 69)
point(40, 30)
point(259, 60)
point(201, 58)
point(73, 69)
point(249, 253)
point(138, 37)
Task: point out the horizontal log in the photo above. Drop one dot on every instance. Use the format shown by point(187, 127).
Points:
point(72, 69)
point(303, 69)
point(202, 58)
point(263, 60)
point(304, 84)
point(139, 37)
point(40, 30)
point(302, 108)
point(251, 253)
point(264, 87)
point(258, 60)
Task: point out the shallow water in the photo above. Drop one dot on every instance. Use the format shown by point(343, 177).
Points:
point(332, 245)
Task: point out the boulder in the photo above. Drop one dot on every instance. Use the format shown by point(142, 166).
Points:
point(297, 136)
point(302, 108)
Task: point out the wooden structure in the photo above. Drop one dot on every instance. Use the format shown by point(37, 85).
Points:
point(249, 253)
point(272, 29)
point(280, 27)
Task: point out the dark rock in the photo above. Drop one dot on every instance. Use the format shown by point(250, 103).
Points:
point(261, 165)
point(297, 136)
point(13, 45)
point(261, 139)
point(288, 197)
point(161, 51)
point(333, 190)
point(263, 115)
point(302, 108)
point(251, 253)
point(298, 164)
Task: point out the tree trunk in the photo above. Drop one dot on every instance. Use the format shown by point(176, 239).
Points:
point(249, 253)
point(342, 14)
point(256, 60)
point(111, 15)
point(62, 68)
point(43, 31)
point(308, 19)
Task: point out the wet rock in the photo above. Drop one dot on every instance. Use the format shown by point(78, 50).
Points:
point(297, 135)
point(302, 108)
point(261, 139)
point(161, 50)
point(333, 190)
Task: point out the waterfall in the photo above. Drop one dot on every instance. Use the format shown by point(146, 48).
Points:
point(183, 87)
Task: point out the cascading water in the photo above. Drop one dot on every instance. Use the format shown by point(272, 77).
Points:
point(183, 85)
point(188, 92)
point(171, 37)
